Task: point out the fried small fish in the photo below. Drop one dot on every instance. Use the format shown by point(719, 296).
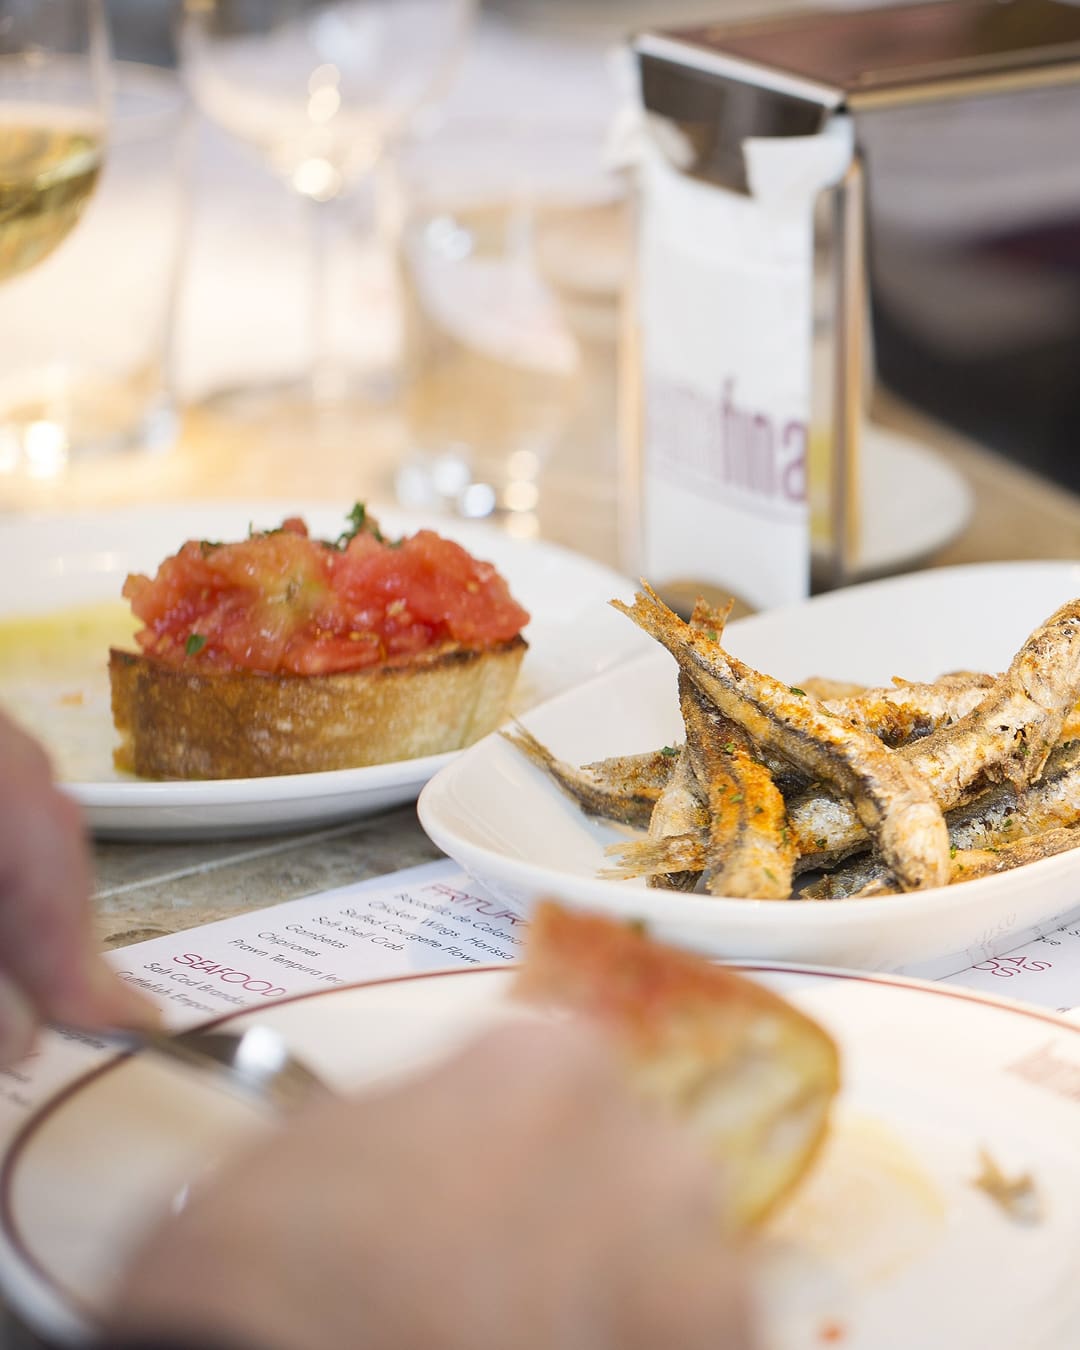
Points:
point(650, 770)
point(983, 833)
point(992, 821)
point(1010, 734)
point(901, 713)
point(1006, 738)
point(626, 799)
point(823, 687)
point(637, 776)
point(972, 863)
point(888, 797)
point(680, 811)
point(750, 852)
point(1006, 813)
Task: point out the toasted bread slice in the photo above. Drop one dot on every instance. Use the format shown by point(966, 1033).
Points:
point(177, 724)
point(752, 1076)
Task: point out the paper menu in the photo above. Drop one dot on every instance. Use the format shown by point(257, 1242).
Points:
point(420, 920)
point(423, 919)
point(1044, 971)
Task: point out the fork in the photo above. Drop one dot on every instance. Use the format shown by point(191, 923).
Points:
point(256, 1061)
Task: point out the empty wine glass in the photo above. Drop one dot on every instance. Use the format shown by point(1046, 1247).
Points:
point(319, 87)
point(53, 93)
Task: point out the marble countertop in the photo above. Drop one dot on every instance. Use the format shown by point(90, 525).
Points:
point(146, 890)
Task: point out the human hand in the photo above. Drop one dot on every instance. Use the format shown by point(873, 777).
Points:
point(515, 1196)
point(49, 964)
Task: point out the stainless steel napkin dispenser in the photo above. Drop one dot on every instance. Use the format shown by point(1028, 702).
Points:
point(961, 119)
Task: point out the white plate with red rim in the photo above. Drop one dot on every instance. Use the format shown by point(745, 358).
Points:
point(82, 560)
point(508, 825)
point(889, 1244)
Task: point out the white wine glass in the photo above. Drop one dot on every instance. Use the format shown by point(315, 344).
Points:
point(53, 108)
point(320, 88)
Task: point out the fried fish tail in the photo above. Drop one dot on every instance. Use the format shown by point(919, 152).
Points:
point(629, 805)
point(680, 854)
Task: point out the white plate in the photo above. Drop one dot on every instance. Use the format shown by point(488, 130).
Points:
point(74, 560)
point(511, 828)
point(913, 502)
point(889, 1241)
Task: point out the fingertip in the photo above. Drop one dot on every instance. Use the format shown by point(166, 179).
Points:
point(124, 1003)
point(565, 1041)
point(18, 1023)
point(129, 1008)
point(105, 999)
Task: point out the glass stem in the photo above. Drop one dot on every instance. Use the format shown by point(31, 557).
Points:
point(344, 232)
point(325, 375)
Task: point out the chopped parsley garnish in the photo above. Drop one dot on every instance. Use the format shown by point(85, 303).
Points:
point(669, 751)
point(360, 523)
point(800, 692)
point(712, 635)
point(730, 747)
point(195, 643)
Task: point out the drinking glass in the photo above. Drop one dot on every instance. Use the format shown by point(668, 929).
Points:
point(319, 88)
point(86, 336)
point(505, 259)
point(53, 94)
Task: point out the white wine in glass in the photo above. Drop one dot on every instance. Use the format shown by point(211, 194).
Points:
point(319, 88)
point(53, 90)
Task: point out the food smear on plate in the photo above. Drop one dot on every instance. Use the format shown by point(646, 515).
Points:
point(281, 653)
point(54, 683)
point(870, 1208)
point(1016, 1196)
point(828, 790)
point(752, 1076)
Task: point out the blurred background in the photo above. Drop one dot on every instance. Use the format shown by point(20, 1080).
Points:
point(1004, 373)
point(465, 286)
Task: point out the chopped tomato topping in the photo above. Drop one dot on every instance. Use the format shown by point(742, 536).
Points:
point(283, 603)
